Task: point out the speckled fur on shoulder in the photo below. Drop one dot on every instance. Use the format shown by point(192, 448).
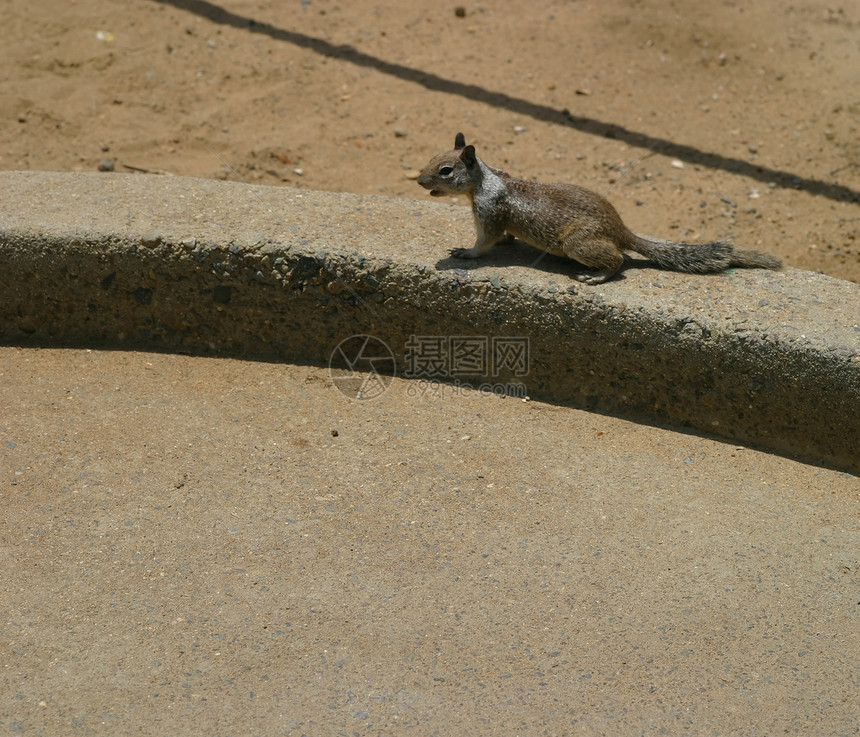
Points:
point(565, 220)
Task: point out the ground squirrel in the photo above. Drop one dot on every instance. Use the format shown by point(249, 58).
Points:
point(564, 220)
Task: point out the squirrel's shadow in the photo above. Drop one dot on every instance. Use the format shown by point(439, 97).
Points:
point(513, 252)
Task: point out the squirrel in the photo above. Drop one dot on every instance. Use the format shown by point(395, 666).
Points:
point(565, 220)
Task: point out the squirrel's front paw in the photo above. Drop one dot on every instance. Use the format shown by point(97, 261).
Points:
point(462, 253)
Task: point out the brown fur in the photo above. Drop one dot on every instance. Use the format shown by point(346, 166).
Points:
point(565, 220)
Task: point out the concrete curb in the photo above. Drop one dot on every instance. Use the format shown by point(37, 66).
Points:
point(115, 260)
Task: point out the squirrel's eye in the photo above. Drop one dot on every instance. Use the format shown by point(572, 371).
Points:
point(446, 170)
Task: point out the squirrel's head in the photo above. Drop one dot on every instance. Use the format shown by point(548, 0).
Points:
point(454, 172)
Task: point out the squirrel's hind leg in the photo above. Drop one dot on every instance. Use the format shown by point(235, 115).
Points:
point(601, 255)
point(594, 277)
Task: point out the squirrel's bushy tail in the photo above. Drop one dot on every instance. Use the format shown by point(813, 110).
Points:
point(700, 258)
point(754, 260)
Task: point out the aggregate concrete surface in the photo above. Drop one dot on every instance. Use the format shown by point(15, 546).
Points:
point(770, 358)
point(196, 545)
point(213, 546)
point(208, 545)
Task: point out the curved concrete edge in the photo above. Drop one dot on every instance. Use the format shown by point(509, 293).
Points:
point(134, 261)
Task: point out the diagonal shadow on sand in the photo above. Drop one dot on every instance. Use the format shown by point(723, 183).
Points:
point(563, 117)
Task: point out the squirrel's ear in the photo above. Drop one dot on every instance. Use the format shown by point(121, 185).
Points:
point(468, 156)
point(459, 142)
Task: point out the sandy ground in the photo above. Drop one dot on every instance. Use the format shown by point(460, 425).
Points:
point(699, 120)
point(205, 546)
